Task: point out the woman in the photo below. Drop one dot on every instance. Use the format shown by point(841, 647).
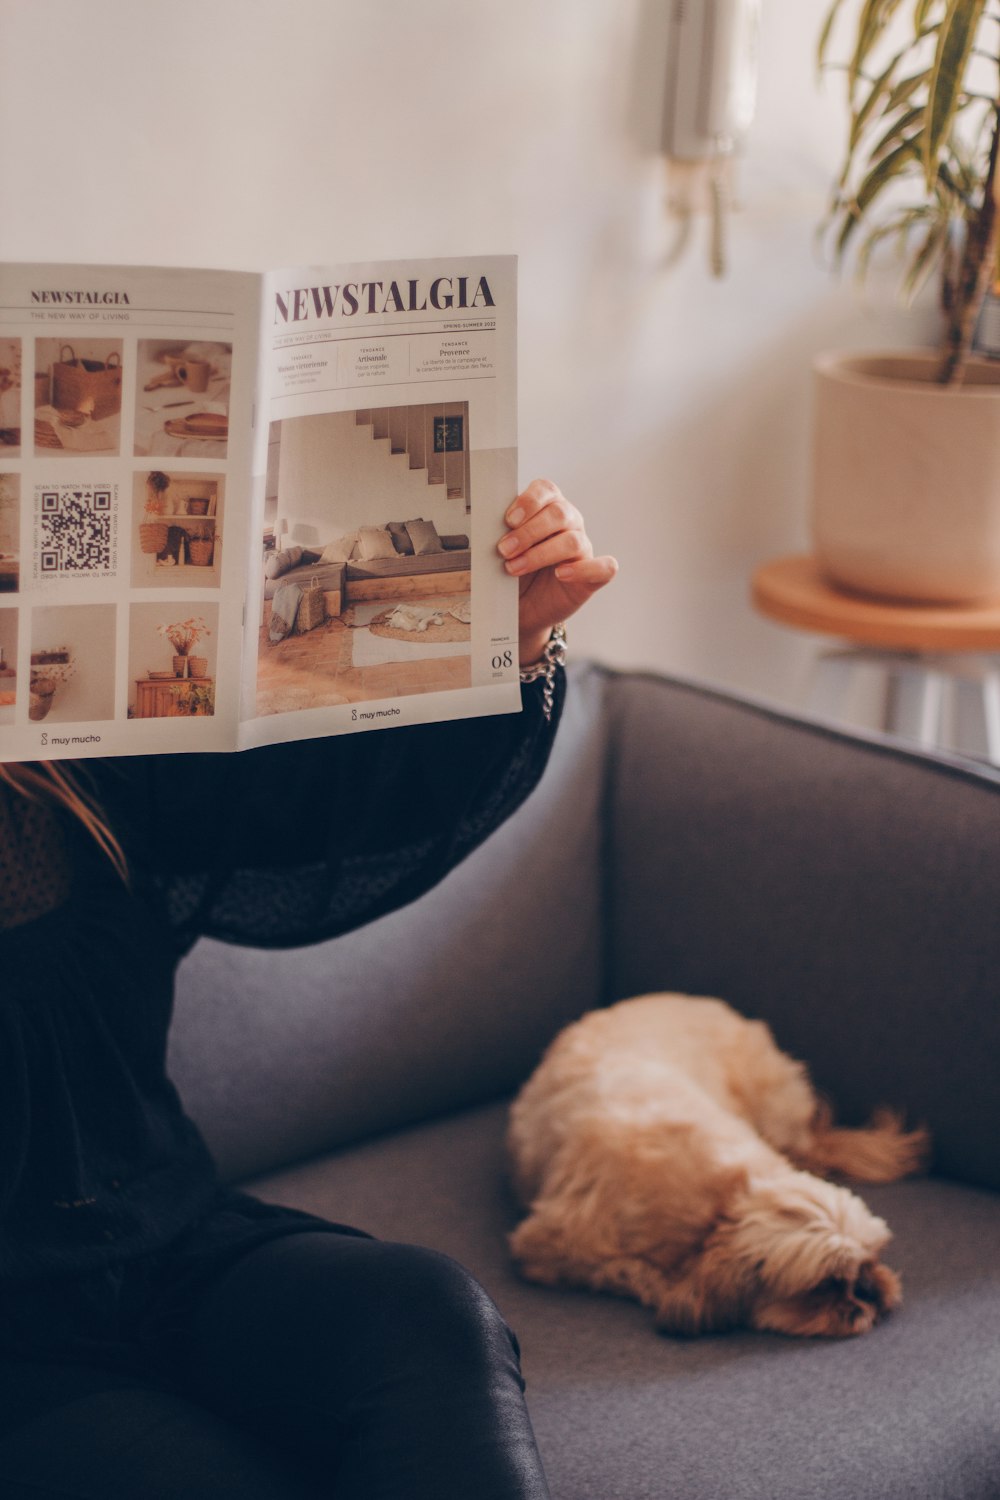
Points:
point(163, 1337)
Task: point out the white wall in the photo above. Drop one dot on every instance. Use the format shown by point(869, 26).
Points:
point(334, 476)
point(673, 408)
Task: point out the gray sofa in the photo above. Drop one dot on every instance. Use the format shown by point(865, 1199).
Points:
point(845, 890)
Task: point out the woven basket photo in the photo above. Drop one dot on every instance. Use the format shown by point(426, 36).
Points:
point(200, 549)
point(153, 536)
point(312, 608)
point(90, 383)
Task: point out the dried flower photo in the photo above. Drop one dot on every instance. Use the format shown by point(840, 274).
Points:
point(172, 660)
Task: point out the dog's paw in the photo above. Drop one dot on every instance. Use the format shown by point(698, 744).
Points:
point(839, 1307)
point(537, 1252)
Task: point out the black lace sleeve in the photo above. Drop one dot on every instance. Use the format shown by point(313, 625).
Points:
point(294, 843)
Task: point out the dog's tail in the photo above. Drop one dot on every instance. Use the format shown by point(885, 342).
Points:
point(880, 1151)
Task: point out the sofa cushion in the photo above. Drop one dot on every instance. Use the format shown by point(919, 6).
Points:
point(277, 563)
point(341, 550)
point(840, 887)
point(374, 541)
point(620, 1411)
point(279, 1055)
point(424, 536)
point(400, 537)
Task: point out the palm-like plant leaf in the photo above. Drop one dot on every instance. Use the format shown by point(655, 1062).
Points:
point(900, 128)
point(871, 100)
point(900, 226)
point(875, 16)
point(906, 88)
point(890, 166)
point(876, 181)
point(889, 98)
point(925, 260)
point(922, 115)
point(825, 34)
point(954, 48)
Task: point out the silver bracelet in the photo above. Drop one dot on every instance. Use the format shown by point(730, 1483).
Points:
point(551, 659)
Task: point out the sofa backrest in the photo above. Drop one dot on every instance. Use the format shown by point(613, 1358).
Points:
point(843, 889)
point(280, 1055)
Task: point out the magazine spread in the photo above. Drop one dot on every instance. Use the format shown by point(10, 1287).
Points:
point(237, 509)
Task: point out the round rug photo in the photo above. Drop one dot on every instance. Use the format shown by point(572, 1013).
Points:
point(441, 629)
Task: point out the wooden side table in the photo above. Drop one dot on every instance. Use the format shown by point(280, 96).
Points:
point(938, 661)
point(163, 698)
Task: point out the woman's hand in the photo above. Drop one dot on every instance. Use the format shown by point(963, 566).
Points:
point(548, 549)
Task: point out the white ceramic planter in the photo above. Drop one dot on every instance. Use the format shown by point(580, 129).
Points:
point(906, 478)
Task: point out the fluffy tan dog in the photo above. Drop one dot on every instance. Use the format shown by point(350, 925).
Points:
point(665, 1149)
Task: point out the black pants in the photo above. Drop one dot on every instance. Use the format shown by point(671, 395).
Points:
point(318, 1364)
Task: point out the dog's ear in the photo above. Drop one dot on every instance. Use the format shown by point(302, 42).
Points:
point(628, 1214)
point(714, 1293)
point(668, 1192)
point(705, 1288)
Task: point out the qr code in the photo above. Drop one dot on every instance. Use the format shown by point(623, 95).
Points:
point(76, 531)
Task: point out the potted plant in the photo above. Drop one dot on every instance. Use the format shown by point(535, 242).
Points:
point(182, 635)
point(195, 700)
point(906, 495)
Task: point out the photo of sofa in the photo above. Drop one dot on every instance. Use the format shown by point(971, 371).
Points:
point(366, 568)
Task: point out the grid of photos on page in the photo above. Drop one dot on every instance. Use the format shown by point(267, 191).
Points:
point(115, 491)
point(367, 561)
point(11, 361)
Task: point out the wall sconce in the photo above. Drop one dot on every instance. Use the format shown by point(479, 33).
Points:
point(710, 99)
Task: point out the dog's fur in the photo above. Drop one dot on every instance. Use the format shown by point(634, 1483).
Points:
point(666, 1149)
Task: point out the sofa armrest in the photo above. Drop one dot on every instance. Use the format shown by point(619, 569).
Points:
point(843, 889)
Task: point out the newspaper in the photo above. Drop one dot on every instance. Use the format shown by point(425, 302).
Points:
point(240, 508)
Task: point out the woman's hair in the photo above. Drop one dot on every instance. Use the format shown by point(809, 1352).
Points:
point(48, 781)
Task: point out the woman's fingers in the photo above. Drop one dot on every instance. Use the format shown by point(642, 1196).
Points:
point(557, 548)
point(538, 493)
point(543, 512)
point(588, 573)
point(548, 550)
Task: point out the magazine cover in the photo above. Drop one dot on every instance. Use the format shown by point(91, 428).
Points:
point(237, 509)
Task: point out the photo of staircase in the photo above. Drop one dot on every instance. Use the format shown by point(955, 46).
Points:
point(432, 438)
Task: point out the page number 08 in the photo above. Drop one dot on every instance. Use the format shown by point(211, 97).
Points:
point(502, 659)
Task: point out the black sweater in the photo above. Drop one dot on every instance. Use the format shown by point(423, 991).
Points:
point(275, 847)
